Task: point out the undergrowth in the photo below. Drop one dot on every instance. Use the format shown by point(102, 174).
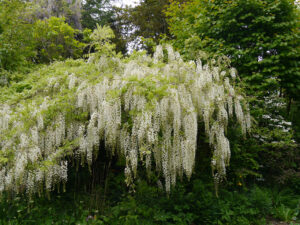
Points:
point(189, 203)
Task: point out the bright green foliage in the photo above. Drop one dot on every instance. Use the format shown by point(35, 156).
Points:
point(16, 41)
point(55, 40)
point(102, 12)
point(260, 37)
point(25, 40)
point(101, 40)
point(69, 9)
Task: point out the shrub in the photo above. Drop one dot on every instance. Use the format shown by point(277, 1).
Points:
point(55, 40)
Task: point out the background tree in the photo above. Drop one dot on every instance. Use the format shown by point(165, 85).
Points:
point(70, 9)
point(96, 12)
point(55, 40)
point(261, 38)
point(143, 25)
point(16, 41)
point(102, 12)
point(148, 19)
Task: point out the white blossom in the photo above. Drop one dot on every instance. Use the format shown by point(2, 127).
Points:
point(147, 110)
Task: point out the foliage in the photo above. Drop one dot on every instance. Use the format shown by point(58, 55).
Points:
point(122, 29)
point(189, 203)
point(286, 214)
point(55, 40)
point(69, 9)
point(271, 153)
point(101, 40)
point(148, 19)
point(260, 37)
point(144, 109)
point(196, 203)
point(24, 41)
point(96, 12)
point(16, 40)
point(61, 210)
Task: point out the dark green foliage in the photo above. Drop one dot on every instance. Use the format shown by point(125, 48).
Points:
point(189, 203)
point(96, 12)
point(260, 37)
point(101, 12)
point(262, 40)
point(143, 25)
point(148, 19)
point(61, 210)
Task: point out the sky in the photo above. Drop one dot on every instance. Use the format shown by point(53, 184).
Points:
point(125, 2)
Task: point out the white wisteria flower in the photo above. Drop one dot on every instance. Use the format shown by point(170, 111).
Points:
point(144, 108)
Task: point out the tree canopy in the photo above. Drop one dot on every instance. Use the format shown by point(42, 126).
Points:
point(261, 38)
point(16, 41)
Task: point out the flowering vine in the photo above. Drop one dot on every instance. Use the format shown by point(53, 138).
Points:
point(143, 108)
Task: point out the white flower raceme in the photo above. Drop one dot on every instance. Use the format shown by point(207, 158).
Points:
point(145, 109)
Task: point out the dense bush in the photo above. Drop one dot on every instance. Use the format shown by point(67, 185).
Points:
point(55, 40)
point(16, 39)
point(25, 41)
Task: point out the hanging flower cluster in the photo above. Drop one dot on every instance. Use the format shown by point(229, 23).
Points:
point(143, 108)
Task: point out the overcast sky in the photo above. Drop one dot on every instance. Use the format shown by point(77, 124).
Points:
point(125, 2)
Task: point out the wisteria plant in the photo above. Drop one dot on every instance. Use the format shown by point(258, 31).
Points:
point(142, 108)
